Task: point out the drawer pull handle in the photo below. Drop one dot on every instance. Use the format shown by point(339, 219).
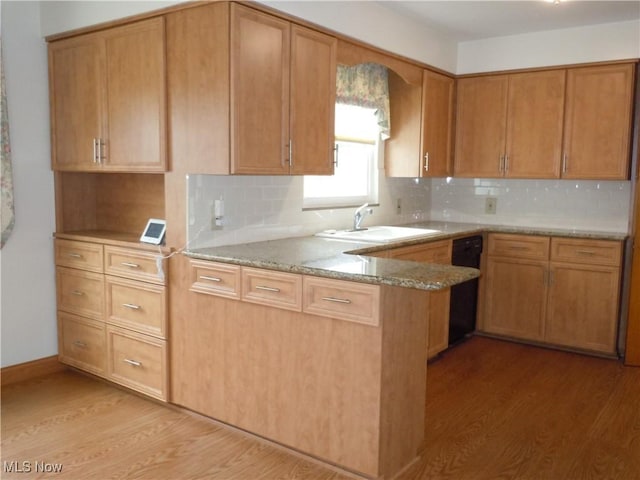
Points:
point(80, 344)
point(130, 265)
point(336, 300)
point(75, 255)
point(77, 293)
point(133, 363)
point(268, 289)
point(518, 247)
point(211, 279)
point(585, 252)
point(132, 306)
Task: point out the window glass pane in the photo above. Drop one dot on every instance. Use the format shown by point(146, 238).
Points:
point(355, 179)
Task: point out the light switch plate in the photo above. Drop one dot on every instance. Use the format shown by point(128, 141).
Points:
point(491, 205)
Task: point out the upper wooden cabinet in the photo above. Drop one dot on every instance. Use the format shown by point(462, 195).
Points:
point(598, 122)
point(513, 125)
point(107, 95)
point(510, 125)
point(250, 93)
point(421, 126)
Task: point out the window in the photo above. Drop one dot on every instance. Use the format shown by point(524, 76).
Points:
point(355, 178)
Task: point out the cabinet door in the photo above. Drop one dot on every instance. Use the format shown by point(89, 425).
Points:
point(598, 122)
point(515, 297)
point(534, 124)
point(436, 252)
point(583, 306)
point(135, 99)
point(75, 89)
point(437, 124)
point(481, 126)
point(402, 156)
point(260, 51)
point(312, 103)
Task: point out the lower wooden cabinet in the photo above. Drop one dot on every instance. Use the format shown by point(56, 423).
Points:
point(137, 361)
point(515, 297)
point(112, 318)
point(82, 343)
point(560, 291)
point(433, 252)
point(344, 381)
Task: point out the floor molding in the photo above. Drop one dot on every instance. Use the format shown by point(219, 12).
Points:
point(29, 370)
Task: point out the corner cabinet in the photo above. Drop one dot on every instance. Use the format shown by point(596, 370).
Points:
point(559, 291)
point(107, 96)
point(422, 126)
point(251, 93)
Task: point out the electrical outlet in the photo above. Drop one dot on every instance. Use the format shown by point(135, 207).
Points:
point(398, 206)
point(491, 205)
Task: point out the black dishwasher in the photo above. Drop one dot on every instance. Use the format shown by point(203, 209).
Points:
point(464, 296)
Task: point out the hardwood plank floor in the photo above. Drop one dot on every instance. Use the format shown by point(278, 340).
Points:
point(494, 410)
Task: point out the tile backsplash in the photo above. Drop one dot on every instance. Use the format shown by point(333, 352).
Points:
point(572, 204)
point(260, 208)
point(268, 207)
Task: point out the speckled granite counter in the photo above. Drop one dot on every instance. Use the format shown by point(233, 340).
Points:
point(348, 260)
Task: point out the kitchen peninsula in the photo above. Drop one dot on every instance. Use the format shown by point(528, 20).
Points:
point(313, 344)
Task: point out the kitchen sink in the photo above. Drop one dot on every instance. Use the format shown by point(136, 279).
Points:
point(380, 234)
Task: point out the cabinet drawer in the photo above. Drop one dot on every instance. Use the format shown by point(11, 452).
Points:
point(136, 305)
point(519, 246)
point(436, 252)
point(82, 255)
point(356, 302)
point(214, 278)
point(275, 289)
point(135, 264)
point(592, 252)
point(82, 343)
point(80, 292)
point(137, 361)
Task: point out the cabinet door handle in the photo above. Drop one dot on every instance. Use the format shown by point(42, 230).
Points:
point(336, 150)
point(501, 164)
point(75, 255)
point(506, 163)
point(211, 279)
point(101, 155)
point(133, 363)
point(518, 247)
point(130, 264)
point(132, 306)
point(77, 293)
point(95, 150)
point(268, 289)
point(80, 344)
point(565, 163)
point(590, 253)
point(426, 162)
point(336, 300)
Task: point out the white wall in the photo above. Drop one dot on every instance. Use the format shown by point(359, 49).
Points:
point(28, 322)
point(612, 41)
point(377, 25)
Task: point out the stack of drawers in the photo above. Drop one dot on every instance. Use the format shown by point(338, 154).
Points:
point(112, 314)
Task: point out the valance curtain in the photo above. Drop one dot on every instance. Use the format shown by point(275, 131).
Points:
point(7, 217)
point(366, 85)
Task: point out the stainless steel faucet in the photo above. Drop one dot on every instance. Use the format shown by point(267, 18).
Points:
point(359, 215)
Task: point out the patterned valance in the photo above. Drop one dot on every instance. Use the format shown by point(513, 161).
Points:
point(366, 85)
point(6, 178)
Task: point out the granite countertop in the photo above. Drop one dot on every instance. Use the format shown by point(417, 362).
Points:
point(349, 260)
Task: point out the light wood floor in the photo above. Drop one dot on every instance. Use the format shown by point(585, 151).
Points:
point(494, 410)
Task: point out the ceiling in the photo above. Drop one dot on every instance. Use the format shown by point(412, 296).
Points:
point(472, 20)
